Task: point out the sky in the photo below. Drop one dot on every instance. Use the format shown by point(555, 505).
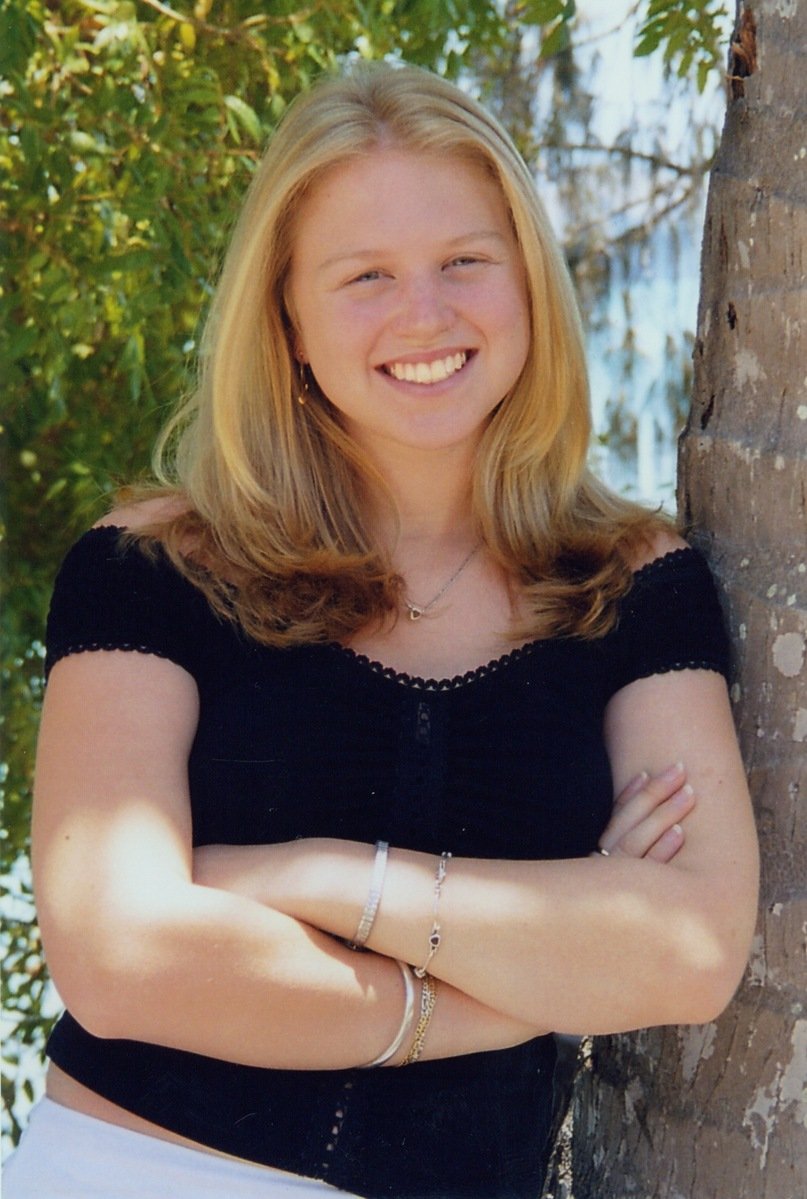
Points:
point(660, 285)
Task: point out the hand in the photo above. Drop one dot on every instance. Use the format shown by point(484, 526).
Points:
point(645, 822)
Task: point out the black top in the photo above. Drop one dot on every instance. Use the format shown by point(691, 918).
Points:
point(506, 761)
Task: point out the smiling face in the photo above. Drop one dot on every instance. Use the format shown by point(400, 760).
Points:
point(409, 300)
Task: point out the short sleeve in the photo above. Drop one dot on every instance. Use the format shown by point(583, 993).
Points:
point(669, 620)
point(109, 594)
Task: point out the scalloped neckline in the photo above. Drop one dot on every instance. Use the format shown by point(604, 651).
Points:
point(418, 683)
point(454, 682)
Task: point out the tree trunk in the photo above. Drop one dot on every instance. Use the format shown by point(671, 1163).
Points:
point(720, 1112)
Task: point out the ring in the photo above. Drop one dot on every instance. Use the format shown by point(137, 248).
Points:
point(605, 852)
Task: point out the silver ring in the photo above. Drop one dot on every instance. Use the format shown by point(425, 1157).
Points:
point(605, 852)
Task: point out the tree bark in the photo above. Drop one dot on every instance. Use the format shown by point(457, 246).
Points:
point(720, 1112)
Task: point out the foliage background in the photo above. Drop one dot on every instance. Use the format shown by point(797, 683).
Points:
point(129, 133)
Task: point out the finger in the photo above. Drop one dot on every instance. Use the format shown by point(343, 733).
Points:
point(638, 807)
point(660, 786)
point(632, 788)
point(636, 841)
point(667, 845)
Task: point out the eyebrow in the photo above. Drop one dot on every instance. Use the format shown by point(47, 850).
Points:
point(366, 255)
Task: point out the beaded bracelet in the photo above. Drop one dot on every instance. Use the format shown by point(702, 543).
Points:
point(373, 896)
point(428, 999)
point(406, 1023)
point(435, 936)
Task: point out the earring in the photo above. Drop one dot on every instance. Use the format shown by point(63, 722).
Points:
point(303, 390)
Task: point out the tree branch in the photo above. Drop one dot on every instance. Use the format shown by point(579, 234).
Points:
point(641, 227)
point(696, 170)
point(240, 33)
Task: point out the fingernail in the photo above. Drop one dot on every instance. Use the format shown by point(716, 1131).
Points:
point(671, 771)
point(684, 796)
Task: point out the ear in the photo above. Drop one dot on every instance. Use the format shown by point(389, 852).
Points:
point(292, 328)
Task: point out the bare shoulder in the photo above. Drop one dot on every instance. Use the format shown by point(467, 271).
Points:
point(662, 542)
point(142, 513)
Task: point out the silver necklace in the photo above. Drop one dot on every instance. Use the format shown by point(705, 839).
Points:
point(417, 610)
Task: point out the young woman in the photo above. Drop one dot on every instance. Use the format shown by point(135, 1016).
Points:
point(335, 721)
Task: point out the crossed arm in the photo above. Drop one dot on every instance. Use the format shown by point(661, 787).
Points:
point(233, 956)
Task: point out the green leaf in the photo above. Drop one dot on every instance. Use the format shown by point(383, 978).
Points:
point(20, 343)
point(85, 143)
point(18, 35)
point(125, 263)
point(246, 117)
point(556, 41)
point(702, 78)
point(690, 35)
point(648, 43)
point(542, 12)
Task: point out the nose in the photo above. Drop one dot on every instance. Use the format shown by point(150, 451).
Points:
point(424, 311)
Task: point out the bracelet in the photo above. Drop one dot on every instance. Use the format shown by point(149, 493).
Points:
point(435, 936)
point(406, 1022)
point(428, 999)
point(373, 896)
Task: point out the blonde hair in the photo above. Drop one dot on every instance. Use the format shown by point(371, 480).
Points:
point(275, 489)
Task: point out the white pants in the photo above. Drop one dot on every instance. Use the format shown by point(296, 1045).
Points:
point(66, 1155)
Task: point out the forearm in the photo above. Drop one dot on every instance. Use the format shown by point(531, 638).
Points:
point(216, 974)
point(592, 945)
point(584, 945)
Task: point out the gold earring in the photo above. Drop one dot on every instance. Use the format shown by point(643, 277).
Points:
point(303, 388)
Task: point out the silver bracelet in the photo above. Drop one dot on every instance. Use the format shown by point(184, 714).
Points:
point(406, 1022)
point(435, 936)
point(373, 895)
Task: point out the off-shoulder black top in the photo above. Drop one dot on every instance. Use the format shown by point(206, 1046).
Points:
point(506, 761)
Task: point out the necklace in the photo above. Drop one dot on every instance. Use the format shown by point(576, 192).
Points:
point(417, 610)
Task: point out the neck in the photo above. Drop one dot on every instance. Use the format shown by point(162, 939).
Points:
point(432, 496)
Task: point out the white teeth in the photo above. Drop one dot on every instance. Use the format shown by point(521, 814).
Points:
point(427, 372)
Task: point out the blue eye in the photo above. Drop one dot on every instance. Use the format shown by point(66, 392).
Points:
point(366, 277)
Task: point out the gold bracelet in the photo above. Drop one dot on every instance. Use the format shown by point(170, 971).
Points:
point(435, 936)
point(428, 999)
